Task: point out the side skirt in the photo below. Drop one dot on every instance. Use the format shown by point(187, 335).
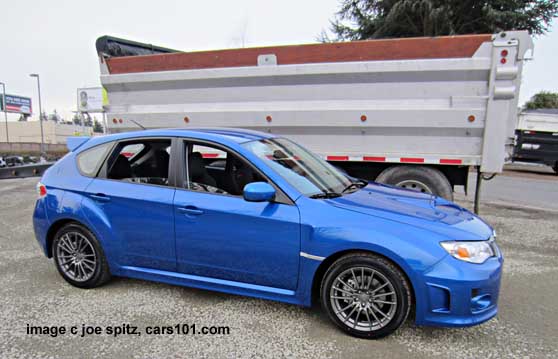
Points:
point(221, 285)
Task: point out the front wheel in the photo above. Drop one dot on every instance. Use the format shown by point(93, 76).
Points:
point(366, 295)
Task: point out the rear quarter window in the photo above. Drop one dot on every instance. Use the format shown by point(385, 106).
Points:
point(90, 160)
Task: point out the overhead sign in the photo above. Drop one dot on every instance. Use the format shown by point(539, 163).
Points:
point(16, 104)
point(91, 99)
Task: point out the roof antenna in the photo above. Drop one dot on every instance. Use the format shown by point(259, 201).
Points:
point(143, 128)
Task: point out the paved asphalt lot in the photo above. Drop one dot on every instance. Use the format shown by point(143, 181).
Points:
point(529, 185)
point(33, 292)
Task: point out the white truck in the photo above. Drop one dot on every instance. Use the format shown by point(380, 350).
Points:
point(417, 113)
point(537, 137)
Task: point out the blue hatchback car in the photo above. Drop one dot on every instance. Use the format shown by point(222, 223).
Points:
point(249, 213)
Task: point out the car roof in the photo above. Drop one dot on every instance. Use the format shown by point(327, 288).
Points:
point(236, 135)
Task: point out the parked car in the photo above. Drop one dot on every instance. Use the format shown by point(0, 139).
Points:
point(2, 162)
point(255, 214)
point(12, 161)
point(31, 159)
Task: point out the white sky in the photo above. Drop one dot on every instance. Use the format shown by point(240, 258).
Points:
point(56, 38)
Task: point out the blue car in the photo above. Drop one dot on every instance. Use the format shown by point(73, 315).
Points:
point(254, 214)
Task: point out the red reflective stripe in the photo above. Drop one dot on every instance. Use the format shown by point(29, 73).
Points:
point(412, 160)
point(374, 159)
point(210, 155)
point(337, 158)
point(447, 161)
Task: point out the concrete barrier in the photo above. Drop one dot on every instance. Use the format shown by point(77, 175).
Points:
point(34, 170)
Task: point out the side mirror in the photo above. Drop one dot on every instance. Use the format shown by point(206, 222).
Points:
point(259, 192)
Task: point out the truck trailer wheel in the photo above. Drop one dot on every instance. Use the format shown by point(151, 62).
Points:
point(418, 178)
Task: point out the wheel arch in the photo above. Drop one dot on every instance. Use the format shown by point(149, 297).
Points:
point(328, 261)
point(55, 227)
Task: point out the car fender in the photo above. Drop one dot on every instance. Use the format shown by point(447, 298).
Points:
point(313, 268)
point(76, 207)
point(333, 233)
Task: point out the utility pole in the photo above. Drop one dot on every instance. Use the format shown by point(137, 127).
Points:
point(5, 110)
point(40, 114)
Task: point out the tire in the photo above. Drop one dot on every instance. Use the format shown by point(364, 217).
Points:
point(79, 258)
point(359, 268)
point(555, 168)
point(420, 178)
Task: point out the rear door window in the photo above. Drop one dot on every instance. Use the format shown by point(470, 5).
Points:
point(144, 161)
point(130, 151)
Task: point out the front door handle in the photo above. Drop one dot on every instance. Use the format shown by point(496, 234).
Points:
point(100, 197)
point(191, 210)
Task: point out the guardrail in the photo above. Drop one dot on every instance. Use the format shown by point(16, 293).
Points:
point(33, 170)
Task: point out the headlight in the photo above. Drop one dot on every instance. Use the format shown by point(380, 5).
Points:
point(473, 252)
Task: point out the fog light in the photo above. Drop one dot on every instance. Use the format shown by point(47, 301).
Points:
point(480, 302)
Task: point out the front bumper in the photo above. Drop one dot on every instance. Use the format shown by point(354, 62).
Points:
point(459, 294)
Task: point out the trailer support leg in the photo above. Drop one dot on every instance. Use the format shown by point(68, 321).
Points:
point(478, 190)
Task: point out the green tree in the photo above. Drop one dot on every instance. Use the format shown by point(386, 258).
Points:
point(375, 19)
point(97, 127)
point(543, 99)
point(76, 119)
point(55, 117)
point(88, 121)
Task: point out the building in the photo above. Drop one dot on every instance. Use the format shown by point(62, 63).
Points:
point(30, 132)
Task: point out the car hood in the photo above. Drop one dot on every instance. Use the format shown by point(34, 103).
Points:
point(417, 209)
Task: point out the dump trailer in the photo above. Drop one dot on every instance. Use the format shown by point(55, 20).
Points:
point(415, 112)
point(537, 137)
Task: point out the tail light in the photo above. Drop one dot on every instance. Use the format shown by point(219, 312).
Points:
point(41, 190)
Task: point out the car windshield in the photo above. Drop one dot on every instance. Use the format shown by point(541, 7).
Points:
point(308, 173)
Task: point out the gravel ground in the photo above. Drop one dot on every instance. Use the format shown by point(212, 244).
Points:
point(34, 293)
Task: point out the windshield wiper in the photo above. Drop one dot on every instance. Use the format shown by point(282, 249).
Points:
point(355, 185)
point(325, 194)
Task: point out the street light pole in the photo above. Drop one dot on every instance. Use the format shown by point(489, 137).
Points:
point(5, 110)
point(40, 114)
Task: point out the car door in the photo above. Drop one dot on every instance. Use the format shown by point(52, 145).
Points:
point(136, 197)
point(220, 235)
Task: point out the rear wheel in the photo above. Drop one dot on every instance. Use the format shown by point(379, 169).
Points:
point(365, 295)
point(555, 168)
point(79, 257)
point(418, 178)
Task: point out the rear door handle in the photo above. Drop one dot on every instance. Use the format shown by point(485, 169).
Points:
point(100, 197)
point(191, 210)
